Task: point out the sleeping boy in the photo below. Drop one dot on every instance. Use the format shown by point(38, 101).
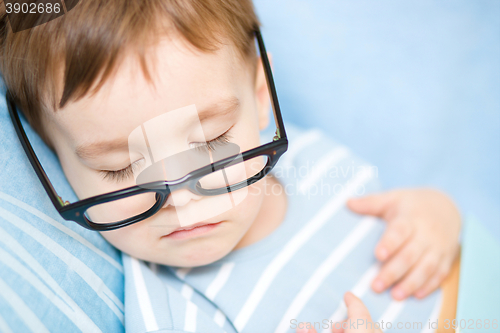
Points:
point(130, 93)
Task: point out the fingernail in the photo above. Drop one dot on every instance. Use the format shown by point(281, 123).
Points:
point(378, 285)
point(302, 330)
point(398, 294)
point(419, 294)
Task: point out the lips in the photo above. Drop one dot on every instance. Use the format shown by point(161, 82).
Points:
point(192, 230)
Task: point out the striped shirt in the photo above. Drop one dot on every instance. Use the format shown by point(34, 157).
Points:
point(296, 274)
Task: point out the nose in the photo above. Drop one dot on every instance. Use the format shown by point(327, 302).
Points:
point(180, 198)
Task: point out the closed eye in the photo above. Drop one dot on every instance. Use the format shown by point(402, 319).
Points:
point(122, 174)
point(214, 143)
point(127, 172)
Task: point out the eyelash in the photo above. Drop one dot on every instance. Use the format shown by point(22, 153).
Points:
point(214, 143)
point(119, 175)
point(125, 173)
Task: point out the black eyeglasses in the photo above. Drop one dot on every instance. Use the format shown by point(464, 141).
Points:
point(154, 194)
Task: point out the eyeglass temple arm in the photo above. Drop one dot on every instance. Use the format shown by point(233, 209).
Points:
point(56, 200)
point(270, 82)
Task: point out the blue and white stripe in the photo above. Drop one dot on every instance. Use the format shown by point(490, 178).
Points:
point(300, 271)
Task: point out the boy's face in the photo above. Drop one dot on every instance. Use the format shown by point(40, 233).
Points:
point(90, 137)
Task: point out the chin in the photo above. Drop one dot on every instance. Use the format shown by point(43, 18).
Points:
point(201, 256)
point(202, 259)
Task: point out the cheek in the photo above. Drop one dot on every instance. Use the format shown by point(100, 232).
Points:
point(131, 239)
point(246, 212)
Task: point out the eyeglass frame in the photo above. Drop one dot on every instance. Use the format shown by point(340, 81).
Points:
point(76, 211)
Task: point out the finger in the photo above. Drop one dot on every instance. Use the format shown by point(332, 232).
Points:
point(397, 233)
point(355, 307)
point(338, 327)
point(376, 204)
point(419, 274)
point(429, 286)
point(306, 330)
point(356, 310)
point(434, 282)
point(398, 265)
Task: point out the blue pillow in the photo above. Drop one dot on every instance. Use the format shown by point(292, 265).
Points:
point(55, 276)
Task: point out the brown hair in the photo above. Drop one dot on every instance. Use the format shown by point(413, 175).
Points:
point(89, 42)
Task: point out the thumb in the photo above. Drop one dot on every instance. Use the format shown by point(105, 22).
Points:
point(357, 312)
point(375, 204)
point(355, 307)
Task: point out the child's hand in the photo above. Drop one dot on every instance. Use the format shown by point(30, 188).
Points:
point(421, 240)
point(357, 314)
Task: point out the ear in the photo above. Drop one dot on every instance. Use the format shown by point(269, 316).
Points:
point(262, 94)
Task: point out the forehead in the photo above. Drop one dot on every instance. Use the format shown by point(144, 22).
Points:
point(182, 75)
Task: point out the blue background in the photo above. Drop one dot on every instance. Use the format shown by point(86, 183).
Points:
point(411, 86)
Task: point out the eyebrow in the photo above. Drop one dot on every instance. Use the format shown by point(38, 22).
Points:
point(222, 108)
point(95, 149)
